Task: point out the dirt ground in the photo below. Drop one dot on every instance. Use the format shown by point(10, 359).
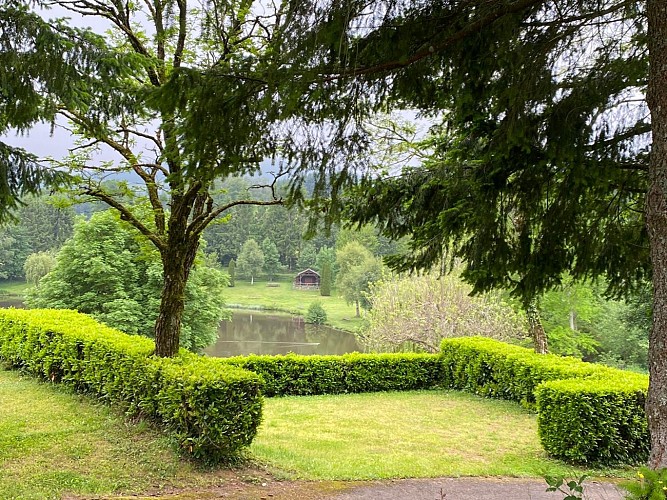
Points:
point(260, 485)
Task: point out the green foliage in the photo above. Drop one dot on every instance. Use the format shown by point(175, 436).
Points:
point(650, 485)
point(210, 408)
point(417, 312)
point(495, 369)
point(575, 487)
point(251, 260)
point(595, 420)
point(231, 271)
point(294, 375)
point(586, 413)
point(316, 314)
point(520, 170)
point(325, 280)
point(38, 265)
point(358, 269)
point(105, 271)
point(271, 258)
point(307, 257)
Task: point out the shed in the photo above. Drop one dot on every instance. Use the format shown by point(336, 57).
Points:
point(307, 279)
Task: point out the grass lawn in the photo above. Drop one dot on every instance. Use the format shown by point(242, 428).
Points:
point(13, 287)
point(53, 443)
point(404, 434)
point(285, 298)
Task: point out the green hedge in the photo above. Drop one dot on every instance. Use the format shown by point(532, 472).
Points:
point(307, 375)
point(495, 369)
point(211, 408)
point(586, 413)
point(595, 420)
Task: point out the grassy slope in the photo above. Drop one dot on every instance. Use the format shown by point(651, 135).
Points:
point(285, 298)
point(13, 287)
point(53, 442)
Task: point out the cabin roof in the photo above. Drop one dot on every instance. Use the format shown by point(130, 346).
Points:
point(308, 271)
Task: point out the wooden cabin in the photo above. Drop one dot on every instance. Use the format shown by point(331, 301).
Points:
point(307, 279)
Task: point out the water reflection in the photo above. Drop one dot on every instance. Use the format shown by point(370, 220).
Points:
point(15, 302)
point(260, 333)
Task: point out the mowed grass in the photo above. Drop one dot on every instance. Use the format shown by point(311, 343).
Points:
point(285, 298)
point(13, 287)
point(54, 443)
point(403, 434)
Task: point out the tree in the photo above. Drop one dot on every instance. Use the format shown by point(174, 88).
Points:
point(156, 93)
point(38, 265)
point(358, 268)
point(552, 155)
point(419, 311)
point(106, 271)
point(271, 258)
point(231, 270)
point(316, 314)
point(251, 260)
point(307, 257)
point(326, 279)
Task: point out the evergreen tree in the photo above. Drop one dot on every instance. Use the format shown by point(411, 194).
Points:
point(307, 257)
point(325, 280)
point(231, 270)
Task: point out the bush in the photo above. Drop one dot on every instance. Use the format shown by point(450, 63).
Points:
point(494, 369)
point(294, 375)
point(595, 420)
point(586, 413)
point(211, 408)
point(316, 314)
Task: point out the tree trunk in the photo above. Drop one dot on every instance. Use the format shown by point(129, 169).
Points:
point(177, 263)
point(573, 320)
point(356, 304)
point(535, 328)
point(656, 220)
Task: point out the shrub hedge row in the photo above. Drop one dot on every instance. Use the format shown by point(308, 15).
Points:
point(294, 375)
point(211, 408)
point(586, 413)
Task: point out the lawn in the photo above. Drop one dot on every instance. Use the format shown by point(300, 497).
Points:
point(403, 434)
point(13, 287)
point(285, 298)
point(54, 443)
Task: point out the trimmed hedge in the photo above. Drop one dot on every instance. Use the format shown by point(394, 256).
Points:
point(586, 413)
point(495, 369)
point(296, 375)
point(211, 408)
point(595, 420)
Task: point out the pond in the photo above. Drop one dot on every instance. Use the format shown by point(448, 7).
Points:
point(262, 333)
point(9, 301)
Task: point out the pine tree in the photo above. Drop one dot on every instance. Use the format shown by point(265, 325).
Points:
point(325, 280)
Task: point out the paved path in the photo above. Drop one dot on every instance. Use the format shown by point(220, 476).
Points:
point(471, 489)
point(399, 489)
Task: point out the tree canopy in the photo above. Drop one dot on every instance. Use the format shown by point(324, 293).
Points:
point(179, 96)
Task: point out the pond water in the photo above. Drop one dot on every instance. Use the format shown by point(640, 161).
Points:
point(15, 302)
point(262, 333)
